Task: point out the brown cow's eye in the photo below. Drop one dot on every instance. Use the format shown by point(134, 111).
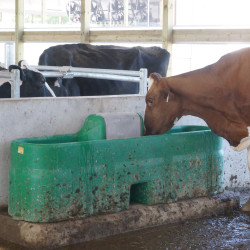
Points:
point(150, 101)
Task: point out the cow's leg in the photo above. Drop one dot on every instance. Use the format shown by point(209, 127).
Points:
point(246, 207)
point(245, 143)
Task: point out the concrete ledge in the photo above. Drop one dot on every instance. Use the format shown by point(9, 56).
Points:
point(41, 235)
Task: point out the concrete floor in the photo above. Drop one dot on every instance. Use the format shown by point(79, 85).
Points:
point(94, 231)
point(228, 231)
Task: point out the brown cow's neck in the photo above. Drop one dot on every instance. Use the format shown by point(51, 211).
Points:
point(195, 84)
point(195, 91)
point(203, 95)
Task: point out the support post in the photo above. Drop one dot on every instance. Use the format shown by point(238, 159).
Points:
point(9, 54)
point(125, 13)
point(19, 30)
point(15, 83)
point(167, 29)
point(85, 21)
point(143, 88)
point(43, 7)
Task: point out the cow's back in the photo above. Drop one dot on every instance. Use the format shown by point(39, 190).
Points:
point(232, 73)
point(106, 57)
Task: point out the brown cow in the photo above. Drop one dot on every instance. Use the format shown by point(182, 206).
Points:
point(218, 93)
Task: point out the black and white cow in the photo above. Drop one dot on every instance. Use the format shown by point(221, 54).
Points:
point(64, 87)
point(54, 85)
point(32, 83)
point(4, 86)
point(82, 55)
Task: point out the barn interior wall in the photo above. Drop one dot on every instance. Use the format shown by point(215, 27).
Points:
point(49, 116)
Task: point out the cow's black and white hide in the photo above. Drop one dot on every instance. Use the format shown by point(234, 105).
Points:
point(57, 86)
point(32, 84)
point(154, 59)
point(71, 86)
point(4, 86)
point(54, 84)
point(63, 87)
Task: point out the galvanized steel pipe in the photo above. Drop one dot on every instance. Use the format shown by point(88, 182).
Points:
point(88, 70)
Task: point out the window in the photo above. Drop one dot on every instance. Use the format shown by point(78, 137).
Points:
point(32, 51)
point(7, 54)
point(187, 57)
point(56, 14)
point(115, 13)
point(212, 12)
point(7, 14)
point(64, 14)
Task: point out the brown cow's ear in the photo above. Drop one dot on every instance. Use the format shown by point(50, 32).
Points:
point(155, 76)
point(168, 94)
point(165, 92)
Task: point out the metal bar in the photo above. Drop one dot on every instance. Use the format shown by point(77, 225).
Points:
point(93, 75)
point(69, 72)
point(108, 71)
point(5, 74)
point(15, 85)
point(107, 74)
point(143, 81)
point(88, 70)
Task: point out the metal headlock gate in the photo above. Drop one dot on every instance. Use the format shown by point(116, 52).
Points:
point(70, 72)
point(14, 76)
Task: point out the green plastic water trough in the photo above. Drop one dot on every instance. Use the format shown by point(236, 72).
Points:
point(77, 175)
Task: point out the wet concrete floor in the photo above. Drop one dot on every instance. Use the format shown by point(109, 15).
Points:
point(230, 231)
point(223, 232)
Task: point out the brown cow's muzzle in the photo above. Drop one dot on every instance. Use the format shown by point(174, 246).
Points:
point(146, 132)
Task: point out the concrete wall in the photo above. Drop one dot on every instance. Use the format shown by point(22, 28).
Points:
point(49, 116)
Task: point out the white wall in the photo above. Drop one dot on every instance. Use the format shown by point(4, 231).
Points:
point(49, 116)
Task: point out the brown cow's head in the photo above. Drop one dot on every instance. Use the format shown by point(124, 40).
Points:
point(163, 107)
